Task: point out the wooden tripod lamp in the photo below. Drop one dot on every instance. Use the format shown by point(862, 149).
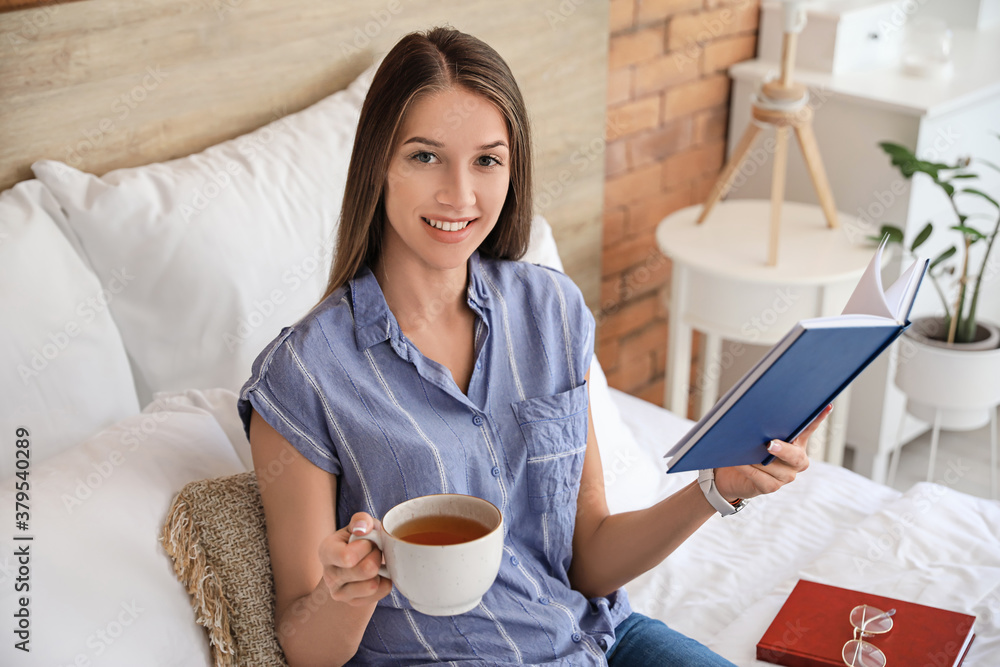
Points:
point(783, 105)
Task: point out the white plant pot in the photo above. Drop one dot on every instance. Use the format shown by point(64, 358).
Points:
point(964, 384)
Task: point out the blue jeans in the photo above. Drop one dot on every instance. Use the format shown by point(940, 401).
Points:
point(641, 641)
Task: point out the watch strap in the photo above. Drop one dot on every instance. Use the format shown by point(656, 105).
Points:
point(706, 480)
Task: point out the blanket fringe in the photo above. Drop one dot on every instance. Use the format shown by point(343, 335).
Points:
point(179, 538)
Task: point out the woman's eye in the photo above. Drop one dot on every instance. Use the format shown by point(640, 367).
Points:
point(488, 161)
point(423, 156)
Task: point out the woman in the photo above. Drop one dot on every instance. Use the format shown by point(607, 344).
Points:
point(435, 364)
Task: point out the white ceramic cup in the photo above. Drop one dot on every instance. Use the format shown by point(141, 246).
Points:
point(441, 580)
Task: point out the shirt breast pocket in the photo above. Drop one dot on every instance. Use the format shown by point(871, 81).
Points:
point(555, 433)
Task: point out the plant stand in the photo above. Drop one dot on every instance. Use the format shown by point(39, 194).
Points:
point(953, 389)
point(935, 437)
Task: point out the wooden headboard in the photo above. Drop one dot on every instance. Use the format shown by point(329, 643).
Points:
point(104, 84)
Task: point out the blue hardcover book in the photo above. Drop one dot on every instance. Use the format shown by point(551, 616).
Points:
point(802, 374)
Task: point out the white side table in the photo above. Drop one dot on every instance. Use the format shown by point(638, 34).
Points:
point(721, 286)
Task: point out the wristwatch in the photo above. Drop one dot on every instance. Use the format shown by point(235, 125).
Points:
point(706, 480)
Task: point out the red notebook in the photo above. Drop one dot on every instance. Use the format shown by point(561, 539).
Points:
point(813, 624)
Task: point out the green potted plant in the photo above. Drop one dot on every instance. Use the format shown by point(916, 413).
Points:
point(949, 364)
point(958, 324)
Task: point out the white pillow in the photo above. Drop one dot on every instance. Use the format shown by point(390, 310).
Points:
point(222, 248)
point(64, 373)
point(102, 589)
point(221, 404)
point(542, 247)
point(631, 475)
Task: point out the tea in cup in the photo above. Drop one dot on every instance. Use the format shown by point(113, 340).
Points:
point(441, 551)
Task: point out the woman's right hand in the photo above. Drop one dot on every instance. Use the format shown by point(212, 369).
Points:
point(350, 569)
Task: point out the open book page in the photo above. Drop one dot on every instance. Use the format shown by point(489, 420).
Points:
point(868, 297)
point(894, 303)
point(901, 295)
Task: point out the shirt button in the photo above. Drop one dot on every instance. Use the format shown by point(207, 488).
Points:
point(495, 472)
point(477, 420)
point(576, 637)
point(544, 601)
point(602, 643)
point(514, 560)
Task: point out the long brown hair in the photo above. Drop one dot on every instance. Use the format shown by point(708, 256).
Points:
point(421, 64)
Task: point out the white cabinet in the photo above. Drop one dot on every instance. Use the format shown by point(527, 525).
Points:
point(839, 35)
point(854, 111)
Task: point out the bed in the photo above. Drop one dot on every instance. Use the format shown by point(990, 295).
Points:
point(139, 278)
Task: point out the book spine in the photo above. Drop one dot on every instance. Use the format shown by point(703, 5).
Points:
point(959, 662)
point(789, 658)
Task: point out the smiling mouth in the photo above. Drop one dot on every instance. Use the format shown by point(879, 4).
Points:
point(448, 226)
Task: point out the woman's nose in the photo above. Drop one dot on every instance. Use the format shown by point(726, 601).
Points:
point(457, 191)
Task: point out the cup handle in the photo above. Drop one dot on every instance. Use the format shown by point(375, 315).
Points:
point(375, 537)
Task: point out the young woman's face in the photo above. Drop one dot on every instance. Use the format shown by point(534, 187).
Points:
point(447, 180)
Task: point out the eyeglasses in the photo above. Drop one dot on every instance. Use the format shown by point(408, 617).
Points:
point(867, 620)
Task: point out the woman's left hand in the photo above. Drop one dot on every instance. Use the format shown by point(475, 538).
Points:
point(753, 480)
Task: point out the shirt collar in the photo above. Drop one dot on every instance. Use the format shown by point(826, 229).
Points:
point(478, 293)
point(375, 323)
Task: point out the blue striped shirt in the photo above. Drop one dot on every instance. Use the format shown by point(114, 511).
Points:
point(350, 392)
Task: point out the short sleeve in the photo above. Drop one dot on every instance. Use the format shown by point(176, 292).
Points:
point(588, 328)
point(285, 394)
point(579, 323)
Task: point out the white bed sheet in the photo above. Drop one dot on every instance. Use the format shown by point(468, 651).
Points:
point(931, 545)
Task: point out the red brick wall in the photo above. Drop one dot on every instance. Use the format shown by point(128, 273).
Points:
point(668, 101)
